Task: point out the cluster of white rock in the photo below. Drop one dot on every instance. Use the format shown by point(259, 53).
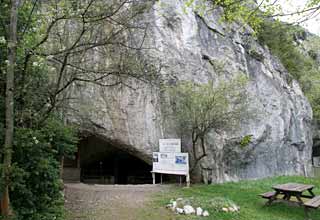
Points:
point(232, 208)
point(178, 207)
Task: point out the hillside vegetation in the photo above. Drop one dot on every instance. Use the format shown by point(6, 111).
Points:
point(299, 52)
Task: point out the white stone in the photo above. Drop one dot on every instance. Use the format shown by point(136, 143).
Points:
point(179, 210)
point(236, 208)
point(199, 211)
point(188, 209)
point(225, 209)
point(174, 204)
point(205, 213)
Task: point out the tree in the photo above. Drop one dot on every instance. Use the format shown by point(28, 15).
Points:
point(253, 12)
point(9, 106)
point(202, 108)
point(51, 46)
point(103, 48)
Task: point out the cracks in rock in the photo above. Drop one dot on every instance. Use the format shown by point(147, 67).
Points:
point(209, 59)
point(96, 125)
point(208, 26)
point(206, 57)
point(217, 65)
point(299, 145)
point(266, 133)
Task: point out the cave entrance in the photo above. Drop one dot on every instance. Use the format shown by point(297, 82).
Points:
point(108, 162)
point(316, 157)
point(316, 148)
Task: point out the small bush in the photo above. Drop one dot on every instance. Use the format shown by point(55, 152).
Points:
point(245, 141)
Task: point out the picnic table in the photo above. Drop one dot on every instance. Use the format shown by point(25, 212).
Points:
point(296, 190)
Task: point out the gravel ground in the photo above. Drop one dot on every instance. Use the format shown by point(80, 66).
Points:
point(104, 202)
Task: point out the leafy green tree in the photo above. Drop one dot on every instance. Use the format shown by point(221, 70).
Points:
point(56, 46)
point(202, 108)
point(9, 108)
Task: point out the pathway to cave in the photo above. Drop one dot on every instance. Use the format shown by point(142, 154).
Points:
point(111, 202)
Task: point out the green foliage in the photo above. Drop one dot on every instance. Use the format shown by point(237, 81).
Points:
point(245, 141)
point(35, 174)
point(311, 86)
point(279, 37)
point(36, 189)
point(250, 12)
point(313, 3)
point(202, 107)
point(40, 139)
point(246, 12)
point(49, 60)
point(243, 11)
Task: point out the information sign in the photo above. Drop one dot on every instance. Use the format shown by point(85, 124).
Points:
point(171, 163)
point(170, 145)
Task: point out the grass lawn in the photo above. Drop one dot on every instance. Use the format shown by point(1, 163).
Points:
point(243, 194)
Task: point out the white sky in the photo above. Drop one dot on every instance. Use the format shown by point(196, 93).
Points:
point(313, 25)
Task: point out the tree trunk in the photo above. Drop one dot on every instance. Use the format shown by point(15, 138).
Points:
point(9, 104)
point(204, 153)
point(61, 166)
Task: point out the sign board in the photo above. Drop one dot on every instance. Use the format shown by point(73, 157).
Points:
point(170, 145)
point(171, 163)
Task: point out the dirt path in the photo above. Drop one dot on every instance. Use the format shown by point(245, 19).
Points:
point(114, 202)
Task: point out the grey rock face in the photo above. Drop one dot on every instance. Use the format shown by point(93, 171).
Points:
point(190, 47)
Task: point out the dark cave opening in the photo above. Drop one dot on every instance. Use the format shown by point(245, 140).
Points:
point(107, 162)
point(316, 148)
point(316, 156)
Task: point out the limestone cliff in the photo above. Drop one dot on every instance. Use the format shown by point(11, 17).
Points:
point(190, 46)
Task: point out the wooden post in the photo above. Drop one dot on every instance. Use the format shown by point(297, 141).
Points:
point(153, 178)
point(188, 180)
point(78, 158)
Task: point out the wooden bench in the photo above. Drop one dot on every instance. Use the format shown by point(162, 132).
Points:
point(268, 195)
point(313, 203)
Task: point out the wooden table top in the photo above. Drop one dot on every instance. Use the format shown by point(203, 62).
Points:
point(293, 187)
